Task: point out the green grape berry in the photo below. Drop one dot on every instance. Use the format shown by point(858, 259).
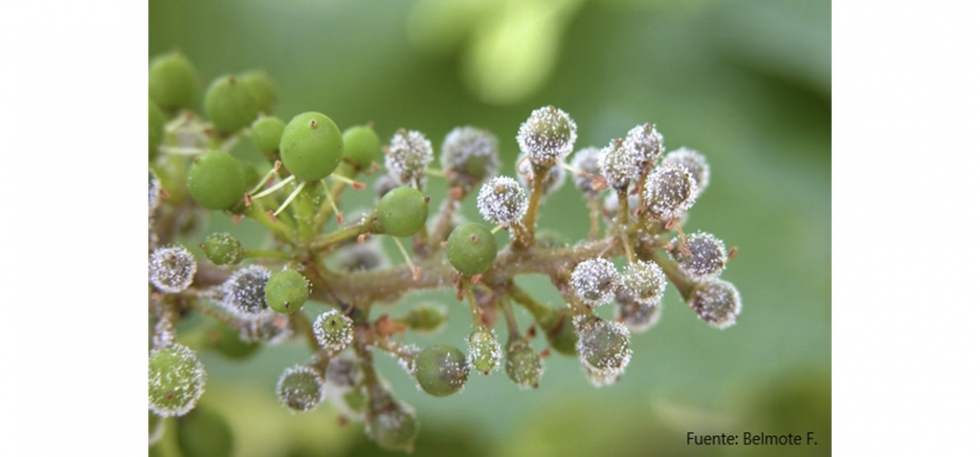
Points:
point(216, 180)
point(561, 332)
point(287, 291)
point(603, 349)
point(362, 147)
point(173, 82)
point(176, 380)
point(267, 133)
point(441, 370)
point(716, 302)
point(204, 433)
point(523, 365)
point(484, 351)
point(157, 122)
point(425, 318)
point(263, 89)
point(300, 388)
point(392, 424)
point(230, 105)
point(333, 331)
point(403, 211)
point(223, 249)
point(311, 146)
point(227, 341)
point(471, 248)
point(244, 292)
point(172, 269)
point(469, 155)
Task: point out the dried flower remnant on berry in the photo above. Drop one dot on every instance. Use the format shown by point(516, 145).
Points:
point(333, 331)
point(547, 136)
point(702, 257)
point(502, 201)
point(409, 155)
point(244, 292)
point(172, 269)
point(469, 155)
point(694, 163)
point(595, 281)
point(645, 144)
point(670, 191)
point(716, 302)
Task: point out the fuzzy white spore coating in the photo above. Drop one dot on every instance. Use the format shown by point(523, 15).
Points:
point(172, 269)
point(333, 331)
point(547, 136)
point(552, 182)
point(409, 155)
point(670, 191)
point(268, 328)
point(716, 302)
point(694, 163)
point(176, 380)
point(638, 317)
point(619, 164)
point(342, 376)
point(523, 365)
point(484, 351)
point(707, 256)
point(645, 143)
point(464, 144)
point(586, 160)
point(603, 349)
point(644, 282)
point(154, 194)
point(243, 293)
point(502, 201)
point(300, 388)
point(595, 281)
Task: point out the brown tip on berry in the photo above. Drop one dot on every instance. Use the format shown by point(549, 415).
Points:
point(313, 123)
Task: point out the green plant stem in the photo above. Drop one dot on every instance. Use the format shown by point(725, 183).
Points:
point(531, 217)
point(210, 311)
point(540, 311)
point(623, 218)
point(684, 285)
point(513, 332)
point(345, 233)
point(256, 212)
point(300, 322)
point(474, 308)
point(593, 217)
point(446, 217)
point(266, 254)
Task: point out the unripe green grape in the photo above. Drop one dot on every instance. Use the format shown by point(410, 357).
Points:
point(403, 211)
point(645, 144)
point(286, 291)
point(244, 292)
point(251, 173)
point(173, 82)
point(223, 249)
point(216, 180)
point(471, 248)
point(267, 133)
point(425, 318)
point(638, 317)
point(409, 156)
point(176, 380)
point(263, 89)
point(469, 155)
point(230, 105)
point(561, 332)
point(172, 269)
point(343, 372)
point(547, 136)
point(502, 201)
point(595, 281)
point(603, 349)
point(644, 282)
point(485, 351)
point(204, 433)
point(228, 342)
point(156, 428)
point(311, 146)
point(670, 191)
point(157, 123)
point(694, 163)
point(619, 165)
point(362, 147)
point(333, 331)
point(716, 302)
point(704, 258)
point(523, 364)
point(300, 388)
point(392, 424)
point(441, 370)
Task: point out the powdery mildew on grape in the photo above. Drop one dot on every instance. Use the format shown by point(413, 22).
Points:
point(619, 164)
point(244, 292)
point(552, 182)
point(644, 282)
point(524, 366)
point(484, 351)
point(645, 144)
point(638, 317)
point(694, 163)
point(716, 302)
point(450, 370)
point(670, 191)
point(465, 144)
point(586, 160)
point(300, 388)
point(502, 201)
point(395, 420)
point(269, 328)
point(176, 380)
point(172, 269)
point(333, 331)
point(707, 256)
point(408, 156)
point(603, 349)
point(341, 377)
point(595, 281)
point(547, 136)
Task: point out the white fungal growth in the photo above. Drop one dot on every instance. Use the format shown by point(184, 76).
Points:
point(716, 302)
point(409, 155)
point(619, 164)
point(484, 351)
point(341, 377)
point(172, 269)
point(586, 160)
point(644, 282)
point(300, 388)
point(645, 144)
point(269, 328)
point(547, 136)
point(702, 257)
point(603, 349)
point(670, 191)
point(595, 281)
point(502, 201)
point(176, 380)
point(243, 293)
point(470, 153)
point(638, 317)
point(523, 365)
point(333, 331)
point(154, 193)
point(552, 182)
point(694, 163)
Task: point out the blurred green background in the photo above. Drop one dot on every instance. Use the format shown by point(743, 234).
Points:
point(747, 83)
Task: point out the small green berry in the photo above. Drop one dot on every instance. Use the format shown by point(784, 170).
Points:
point(670, 191)
point(425, 318)
point(595, 281)
point(287, 291)
point(263, 89)
point(216, 180)
point(637, 316)
point(561, 332)
point(523, 365)
point(716, 302)
point(230, 105)
point(204, 433)
point(547, 136)
point(403, 211)
point(334, 331)
point(223, 249)
point(267, 133)
point(157, 123)
point(471, 248)
point(227, 341)
point(361, 147)
point(645, 144)
point(703, 256)
point(173, 82)
point(644, 282)
point(176, 380)
point(619, 164)
point(172, 269)
point(311, 146)
point(244, 292)
point(441, 370)
point(603, 349)
point(485, 351)
point(392, 425)
point(469, 155)
point(502, 201)
point(694, 163)
point(587, 160)
point(300, 388)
